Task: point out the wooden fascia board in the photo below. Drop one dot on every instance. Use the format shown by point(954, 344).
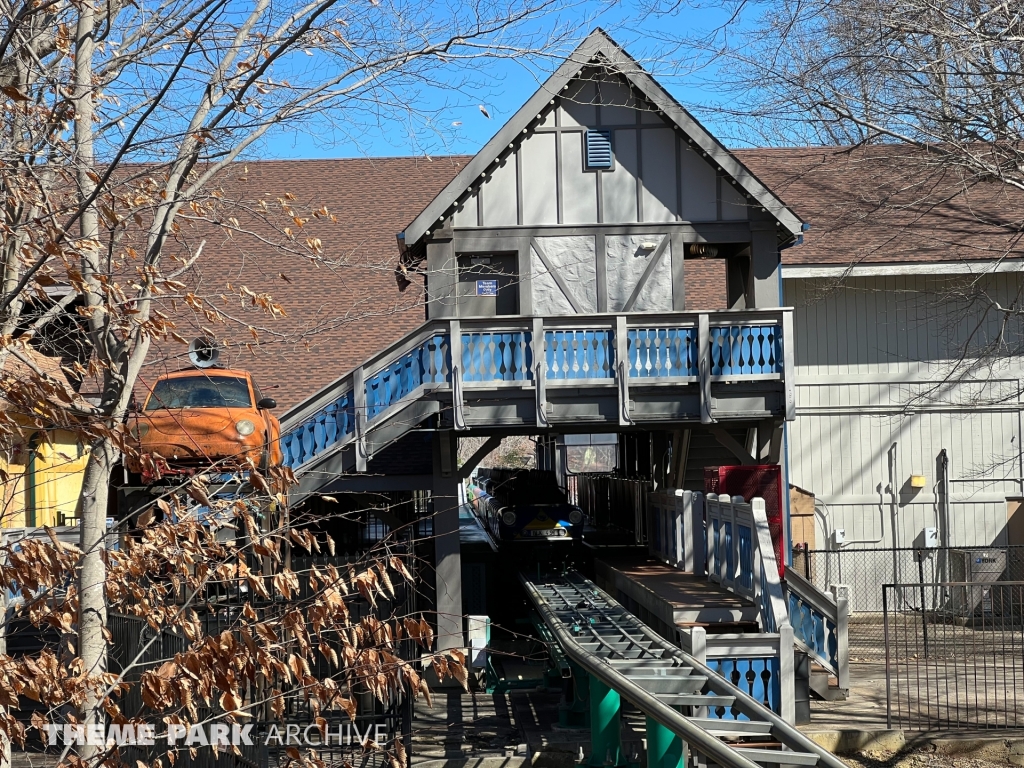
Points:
point(687, 123)
point(470, 175)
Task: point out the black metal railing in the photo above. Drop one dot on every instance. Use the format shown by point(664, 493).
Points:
point(953, 654)
point(864, 570)
point(615, 502)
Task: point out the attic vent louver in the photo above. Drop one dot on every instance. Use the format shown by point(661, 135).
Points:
point(599, 149)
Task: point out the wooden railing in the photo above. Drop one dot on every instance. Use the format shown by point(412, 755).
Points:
point(762, 665)
point(675, 531)
point(741, 557)
point(540, 352)
point(821, 625)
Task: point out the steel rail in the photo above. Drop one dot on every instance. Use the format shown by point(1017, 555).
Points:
point(680, 725)
point(692, 734)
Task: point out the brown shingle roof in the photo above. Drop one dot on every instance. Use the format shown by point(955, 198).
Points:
point(338, 313)
point(888, 204)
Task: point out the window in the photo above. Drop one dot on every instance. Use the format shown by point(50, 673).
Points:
point(200, 392)
point(599, 150)
point(591, 453)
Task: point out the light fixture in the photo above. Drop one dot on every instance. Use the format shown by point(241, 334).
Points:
point(917, 481)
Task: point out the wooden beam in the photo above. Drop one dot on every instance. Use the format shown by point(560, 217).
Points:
point(479, 455)
point(765, 432)
point(680, 456)
point(733, 445)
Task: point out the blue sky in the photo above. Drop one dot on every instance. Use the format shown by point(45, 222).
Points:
point(461, 128)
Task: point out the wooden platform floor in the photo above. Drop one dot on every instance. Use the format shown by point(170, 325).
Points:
point(654, 590)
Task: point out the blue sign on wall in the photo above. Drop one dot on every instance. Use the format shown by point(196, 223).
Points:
point(486, 287)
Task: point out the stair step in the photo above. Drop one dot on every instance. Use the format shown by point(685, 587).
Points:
point(733, 727)
point(821, 687)
point(695, 700)
point(670, 683)
point(778, 757)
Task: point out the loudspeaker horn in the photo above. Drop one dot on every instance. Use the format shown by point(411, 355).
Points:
point(203, 353)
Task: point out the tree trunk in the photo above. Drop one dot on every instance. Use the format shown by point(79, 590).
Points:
point(92, 612)
point(92, 617)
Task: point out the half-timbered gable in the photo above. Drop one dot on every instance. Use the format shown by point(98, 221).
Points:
point(591, 199)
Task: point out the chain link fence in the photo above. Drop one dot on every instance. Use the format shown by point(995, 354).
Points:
point(864, 571)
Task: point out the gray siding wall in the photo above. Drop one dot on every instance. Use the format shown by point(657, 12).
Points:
point(878, 400)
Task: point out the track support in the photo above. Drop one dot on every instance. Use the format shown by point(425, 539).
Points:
point(605, 726)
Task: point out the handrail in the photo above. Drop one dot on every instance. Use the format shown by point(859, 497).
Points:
point(679, 724)
point(421, 333)
point(457, 356)
point(741, 557)
point(820, 625)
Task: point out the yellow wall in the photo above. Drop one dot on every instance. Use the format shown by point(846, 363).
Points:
point(57, 472)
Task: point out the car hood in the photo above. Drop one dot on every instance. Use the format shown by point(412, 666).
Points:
point(195, 421)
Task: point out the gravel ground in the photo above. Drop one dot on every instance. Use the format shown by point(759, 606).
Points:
point(918, 760)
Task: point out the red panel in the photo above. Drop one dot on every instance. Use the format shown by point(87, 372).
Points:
point(762, 481)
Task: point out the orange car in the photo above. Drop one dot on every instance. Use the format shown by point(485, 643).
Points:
point(202, 417)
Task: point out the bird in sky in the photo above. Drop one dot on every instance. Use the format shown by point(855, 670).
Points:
point(483, 109)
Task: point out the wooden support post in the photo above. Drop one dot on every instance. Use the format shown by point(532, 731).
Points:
point(359, 403)
point(447, 554)
point(540, 363)
point(622, 369)
point(789, 364)
point(704, 368)
point(458, 403)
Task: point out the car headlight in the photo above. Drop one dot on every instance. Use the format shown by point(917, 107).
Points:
point(575, 517)
point(138, 430)
point(508, 518)
point(245, 427)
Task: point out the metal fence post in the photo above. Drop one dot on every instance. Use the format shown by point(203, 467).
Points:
point(888, 671)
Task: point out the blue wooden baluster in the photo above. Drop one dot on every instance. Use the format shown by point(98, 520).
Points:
point(470, 363)
point(556, 355)
point(506, 373)
point(290, 459)
point(427, 360)
point(746, 558)
point(519, 358)
point(319, 432)
point(728, 552)
point(343, 416)
point(331, 423)
point(715, 337)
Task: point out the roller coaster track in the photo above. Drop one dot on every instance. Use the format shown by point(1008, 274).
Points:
point(673, 689)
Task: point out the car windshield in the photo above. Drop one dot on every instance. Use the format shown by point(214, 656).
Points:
point(200, 392)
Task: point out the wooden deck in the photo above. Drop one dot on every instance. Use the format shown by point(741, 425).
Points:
point(656, 592)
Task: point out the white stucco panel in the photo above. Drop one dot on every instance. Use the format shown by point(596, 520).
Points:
point(626, 261)
point(574, 261)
